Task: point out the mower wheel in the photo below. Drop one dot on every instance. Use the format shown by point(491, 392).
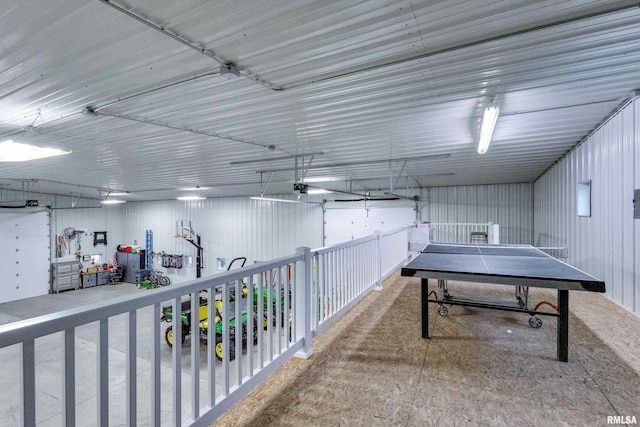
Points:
point(168, 336)
point(220, 346)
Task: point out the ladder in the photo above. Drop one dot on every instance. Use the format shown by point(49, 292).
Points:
point(149, 245)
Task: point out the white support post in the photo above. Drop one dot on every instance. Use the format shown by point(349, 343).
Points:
point(155, 367)
point(176, 350)
point(378, 259)
point(29, 382)
point(69, 372)
point(195, 355)
point(131, 371)
point(303, 303)
point(103, 373)
point(493, 234)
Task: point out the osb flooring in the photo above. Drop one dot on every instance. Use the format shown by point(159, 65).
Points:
point(481, 367)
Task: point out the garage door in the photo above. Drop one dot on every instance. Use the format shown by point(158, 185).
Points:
point(24, 253)
point(347, 224)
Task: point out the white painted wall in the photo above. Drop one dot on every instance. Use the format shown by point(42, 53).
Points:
point(509, 205)
point(229, 227)
point(607, 244)
point(90, 216)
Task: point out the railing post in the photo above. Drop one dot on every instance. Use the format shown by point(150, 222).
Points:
point(378, 259)
point(493, 233)
point(303, 302)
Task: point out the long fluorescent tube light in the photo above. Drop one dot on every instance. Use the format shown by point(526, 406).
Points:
point(16, 152)
point(112, 201)
point(489, 119)
point(318, 191)
point(191, 198)
point(269, 199)
point(195, 188)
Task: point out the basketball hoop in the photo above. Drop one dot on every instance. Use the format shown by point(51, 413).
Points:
point(181, 236)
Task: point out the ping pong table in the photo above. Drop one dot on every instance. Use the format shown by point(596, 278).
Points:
point(522, 266)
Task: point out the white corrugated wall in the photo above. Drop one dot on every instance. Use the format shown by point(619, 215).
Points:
point(607, 244)
point(229, 227)
point(509, 205)
point(90, 216)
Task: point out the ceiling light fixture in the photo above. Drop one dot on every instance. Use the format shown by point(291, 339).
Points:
point(489, 119)
point(16, 152)
point(196, 188)
point(319, 191)
point(269, 199)
point(112, 201)
point(187, 198)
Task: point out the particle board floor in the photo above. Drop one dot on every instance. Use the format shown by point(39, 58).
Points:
point(481, 367)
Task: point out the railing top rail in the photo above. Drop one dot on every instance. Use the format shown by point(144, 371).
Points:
point(327, 249)
point(395, 230)
point(17, 332)
point(462, 223)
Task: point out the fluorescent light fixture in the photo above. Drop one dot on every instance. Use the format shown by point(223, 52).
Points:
point(489, 119)
point(186, 198)
point(16, 152)
point(195, 188)
point(323, 179)
point(269, 199)
point(318, 191)
point(112, 201)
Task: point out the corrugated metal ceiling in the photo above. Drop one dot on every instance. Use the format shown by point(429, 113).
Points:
point(368, 84)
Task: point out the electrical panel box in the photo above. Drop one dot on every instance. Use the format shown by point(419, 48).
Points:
point(636, 204)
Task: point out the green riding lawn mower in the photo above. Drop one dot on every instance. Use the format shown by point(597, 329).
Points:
point(203, 325)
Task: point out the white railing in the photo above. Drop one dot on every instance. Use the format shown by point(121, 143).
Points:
point(251, 356)
point(272, 309)
point(344, 273)
point(465, 232)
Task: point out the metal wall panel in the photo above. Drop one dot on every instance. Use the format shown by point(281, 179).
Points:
point(604, 244)
point(229, 228)
point(90, 216)
point(506, 204)
point(81, 214)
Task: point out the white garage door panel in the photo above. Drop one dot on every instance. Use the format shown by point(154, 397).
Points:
point(348, 224)
point(24, 255)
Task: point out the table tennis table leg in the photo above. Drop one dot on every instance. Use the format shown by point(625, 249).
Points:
point(425, 307)
point(563, 325)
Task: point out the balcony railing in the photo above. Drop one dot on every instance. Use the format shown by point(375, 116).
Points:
point(247, 323)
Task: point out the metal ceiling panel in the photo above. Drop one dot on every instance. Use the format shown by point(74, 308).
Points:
point(368, 84)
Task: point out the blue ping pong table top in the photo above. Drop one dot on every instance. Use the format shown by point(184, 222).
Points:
point(524, 264)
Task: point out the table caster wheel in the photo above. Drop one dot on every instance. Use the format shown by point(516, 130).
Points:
point(442, 310)
point(535, 322)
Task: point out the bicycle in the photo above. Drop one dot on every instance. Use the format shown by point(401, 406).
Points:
point(155, 279)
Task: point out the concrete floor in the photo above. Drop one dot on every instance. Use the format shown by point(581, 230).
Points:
point(49, 363)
